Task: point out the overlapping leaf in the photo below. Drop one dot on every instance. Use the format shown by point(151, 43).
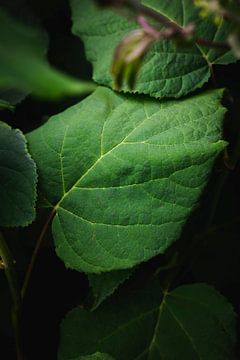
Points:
point(104, 285)
point(23, 65)
point(191, 322)
point(124, 174)
point(168, 70)
point(17, 179)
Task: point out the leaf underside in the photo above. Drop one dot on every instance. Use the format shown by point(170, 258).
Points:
point(168, 70)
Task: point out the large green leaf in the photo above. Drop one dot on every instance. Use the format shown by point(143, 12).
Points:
point(124, 174)
point(17, 179)
point(168, 70)
point(191, 322)
point(23, 65)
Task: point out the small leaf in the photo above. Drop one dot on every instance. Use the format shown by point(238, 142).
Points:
point(190, 322)
point(124, 174)
point(105, 284)
point(167, 70)
point(23, 65)
point(18, 179)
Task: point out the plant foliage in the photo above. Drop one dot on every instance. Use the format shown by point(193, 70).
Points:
point(168, 70)
point(192, 321)
point(17, 179)
point(138, 189)
point(144, 165)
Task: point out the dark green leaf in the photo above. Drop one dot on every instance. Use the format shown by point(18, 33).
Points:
point(13, 97)
point(124, 174)
point(23, 65)
point(168, 70)
point(6, 105)
point(191, 322)
point(18, 179)
point(104, 285)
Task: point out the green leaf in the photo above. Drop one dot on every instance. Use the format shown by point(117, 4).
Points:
point(96, 356)
point(190, 322)
point(13, 97)
point(105, 284)
point(168, 70)
point(23, 65)
point(18, 179)
point(124, 174)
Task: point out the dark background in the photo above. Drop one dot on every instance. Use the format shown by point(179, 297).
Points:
point(53, 289)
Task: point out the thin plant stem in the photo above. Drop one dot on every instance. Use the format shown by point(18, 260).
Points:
point(177, 30)
point(8, 264)
point(35, 253)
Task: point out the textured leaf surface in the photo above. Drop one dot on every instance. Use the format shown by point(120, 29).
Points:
point(23, 65)
point(190, 322)
point(168, 70)
point(104, 285)
point(124, 174)
point(17, 179)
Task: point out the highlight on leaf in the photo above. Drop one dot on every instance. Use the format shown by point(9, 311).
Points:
point(129, 55)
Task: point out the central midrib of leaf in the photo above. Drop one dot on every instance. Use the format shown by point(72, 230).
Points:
point(103, 155)
point(153, 343)
point(154, 336)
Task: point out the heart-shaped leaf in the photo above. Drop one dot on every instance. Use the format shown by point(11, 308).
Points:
point(124, 174)
point(168, 70)
point(191, 322)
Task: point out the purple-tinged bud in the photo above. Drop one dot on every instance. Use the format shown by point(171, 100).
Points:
point(128, 57)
